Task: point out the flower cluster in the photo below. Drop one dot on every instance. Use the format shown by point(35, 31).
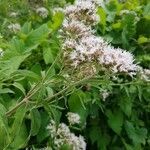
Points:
point(105, 94)
point(42, 12)
point(144, 74)
point(13, 14)
point(73, 118)
point(62, 135)
point(81, 46)
point(14, 27)
point(84, 11)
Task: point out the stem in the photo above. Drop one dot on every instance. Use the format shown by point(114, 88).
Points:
point(25, 100)
point(13, 110)
point(32, 91)
point(65, 89)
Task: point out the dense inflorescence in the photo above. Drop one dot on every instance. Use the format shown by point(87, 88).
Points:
point(62, 135)
point(42, 12)
point(81, 46)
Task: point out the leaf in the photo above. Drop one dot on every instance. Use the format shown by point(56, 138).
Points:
point(6, 90)
point(43, 132)
point(125, 103)
point(115, 120)
point(137, 135)
point(127, 146)
point(142, 40)
point(4, 132)
point(76, 106)
point(20, 139)
point(66, 147)
point(26, 28)
point(146, 11)
point(19, 86)
point(35, 122)
point(96, 136)
point(17, 124)
point(28, 73)
point(36, 37)
point(47, 55)
point(129, 28)
point(102, 16)
point(57, 20)
point(11, 65)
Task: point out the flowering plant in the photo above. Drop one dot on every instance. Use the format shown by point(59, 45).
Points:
point(74, 75)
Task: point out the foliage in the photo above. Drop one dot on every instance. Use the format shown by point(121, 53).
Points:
point(35, 90)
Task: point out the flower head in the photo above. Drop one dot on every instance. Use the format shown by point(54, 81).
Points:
point(73, 118)
point(42, 11)
point(62, 135)
point(14, 27)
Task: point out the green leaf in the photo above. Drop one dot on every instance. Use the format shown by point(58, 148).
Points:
point(96, 136)
point(76, 105)
point(115, 120)
point(4, 130)
point(125, 103)
point(11, 65)
point(66, 147)
point(17, 124)
point(129, 28)
point(142, 40)
point(57, 21)
point(6, 90)
point(47, 55)
point(26, 28)
point(20, 139)
point(102, 16)
point(30, 74)
point(20, 87)
point(36, 37)
point(146, 11)
point(35, 121)
point(43, 132)
point(127, 146)
point(136, 134)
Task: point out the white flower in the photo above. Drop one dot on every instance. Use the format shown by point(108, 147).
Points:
point(42, 11)
point(83, 10)
point(14, 27)
point(52, 128)
point(73, 118)
point(105, 94)
point(76, 28)
point(13, 14)
point(144, 74)
point(62, 135)
point(81, 46)
point(59, 9)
